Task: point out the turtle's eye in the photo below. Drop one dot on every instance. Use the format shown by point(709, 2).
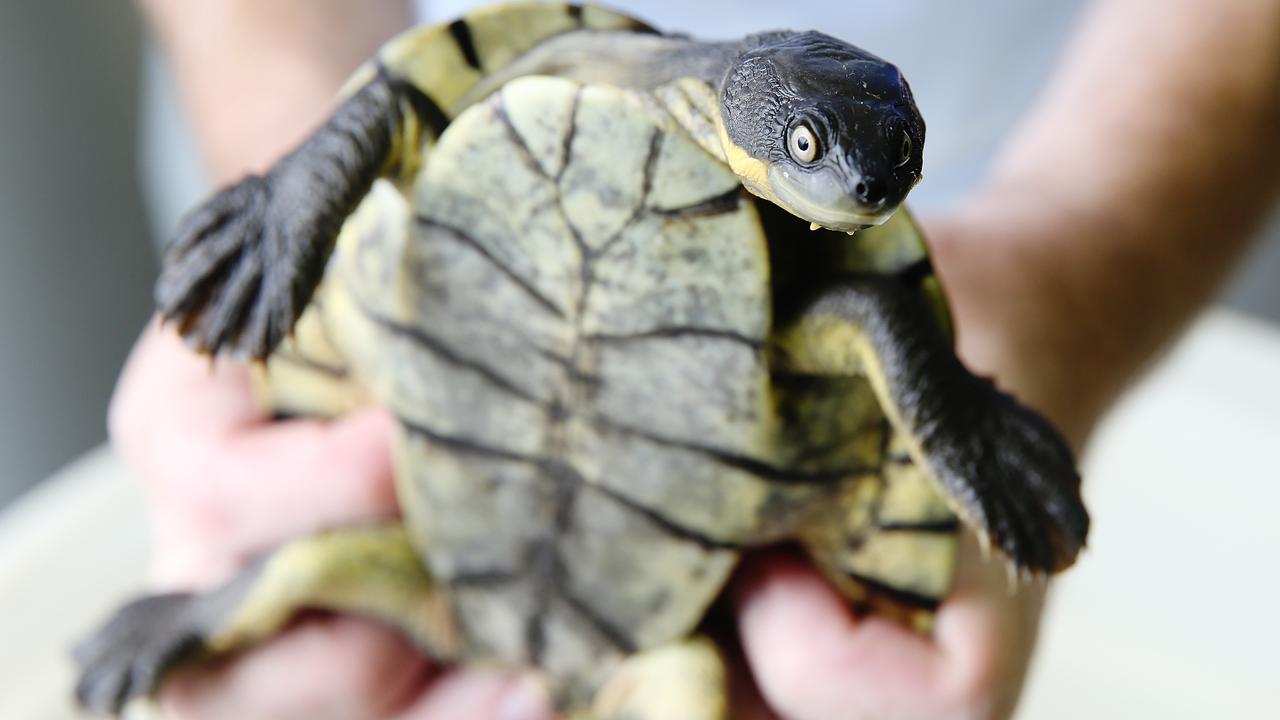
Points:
point(802, 145)
point(904, 149)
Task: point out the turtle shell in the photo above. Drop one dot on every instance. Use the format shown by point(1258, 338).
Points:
point(573, 313)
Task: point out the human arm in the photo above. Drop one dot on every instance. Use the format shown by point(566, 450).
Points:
point(1107, 221)
point(1121, 203)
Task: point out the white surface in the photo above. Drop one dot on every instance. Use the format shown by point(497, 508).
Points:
point(69, 551)
point(1172, 613)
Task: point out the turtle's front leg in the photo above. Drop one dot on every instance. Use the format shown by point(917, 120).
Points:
point(373, 572)
point(245, 263)
point(685, 680)
point(1003, 467)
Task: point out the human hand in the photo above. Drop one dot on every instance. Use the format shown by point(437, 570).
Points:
point(811, 658)
point(223, 483)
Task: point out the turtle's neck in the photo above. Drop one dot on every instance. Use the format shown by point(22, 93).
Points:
point(626, 59)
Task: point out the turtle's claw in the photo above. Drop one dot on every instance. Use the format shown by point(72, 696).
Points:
point(127, 657)
point(1014, 479)
point(232, 278)
point(245, 264)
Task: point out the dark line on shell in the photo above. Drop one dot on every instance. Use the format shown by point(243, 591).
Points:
point(721, 204)
point(560, 470)
point(676, 331)
point(695, 109)
point(646, 188)
point(484, 578)
point(751, 465)
point(915, 272)
point(650, 166)
point(570, 132)
point(783, 374)
point(534, 639)
point(615, 635)
point(522, 147)
point(542, 565)
point(562, 361)
point(575, 12)
point(586, 275)
point(441, 350)
point(670, 527)
point(461, 33)
point(947, 527)
point(584, 269)
point(897, 595)
point(427, 109)
point(545, 562)
point(469, 240)
point(465, 445)
point(899, 459)
point(306, 363)
point(563, 471)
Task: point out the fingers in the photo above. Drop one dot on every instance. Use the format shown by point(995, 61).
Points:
point(325, 667)
point(164, 385)
point(987, 631)
point(342, 668)
point(258, 486)
point(812, 658)
point(482, 695)
point(223, 481)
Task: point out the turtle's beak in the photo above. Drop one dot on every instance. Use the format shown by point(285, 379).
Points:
point(832, 198)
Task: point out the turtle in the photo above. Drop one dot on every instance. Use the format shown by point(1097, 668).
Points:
point(639, 304)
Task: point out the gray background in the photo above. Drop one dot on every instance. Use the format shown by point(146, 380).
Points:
point(75, 260)
point(75, 264)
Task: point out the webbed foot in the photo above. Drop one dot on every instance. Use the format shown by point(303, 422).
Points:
point(127, 657)
point(232, 278)
point(1012, 476)
point(244, 265)
point(370, 571)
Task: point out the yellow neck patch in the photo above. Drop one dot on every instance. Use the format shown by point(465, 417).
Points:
point(754, 173)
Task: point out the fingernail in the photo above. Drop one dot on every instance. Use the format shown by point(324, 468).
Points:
point(525, 699)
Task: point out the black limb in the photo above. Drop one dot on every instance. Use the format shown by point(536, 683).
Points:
point(244, 265)
point(1009, 471)
point(127, 657)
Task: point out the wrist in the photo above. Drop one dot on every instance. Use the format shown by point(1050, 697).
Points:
point(1022, 315)
point(256, 77)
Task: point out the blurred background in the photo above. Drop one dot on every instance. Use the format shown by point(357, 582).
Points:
point(76, 264)
point(80, 90)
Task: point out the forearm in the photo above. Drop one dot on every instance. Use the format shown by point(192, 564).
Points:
point(256, 76)
point(1122, 201)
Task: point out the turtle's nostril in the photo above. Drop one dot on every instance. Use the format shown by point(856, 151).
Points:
point(869, 192)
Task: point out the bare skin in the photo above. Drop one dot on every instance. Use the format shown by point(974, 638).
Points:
point(1106, 223)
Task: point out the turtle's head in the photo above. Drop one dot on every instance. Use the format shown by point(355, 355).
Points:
point(825, 130)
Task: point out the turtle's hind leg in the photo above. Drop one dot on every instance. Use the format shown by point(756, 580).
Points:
point(685, 680)
point(373, 572)
point(244, 265)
